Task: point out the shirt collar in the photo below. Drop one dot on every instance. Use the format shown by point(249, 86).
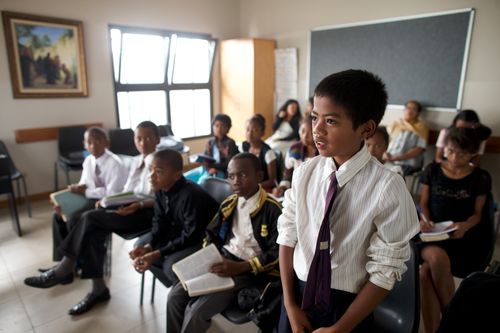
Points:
point(250, 203)
point(349, 168)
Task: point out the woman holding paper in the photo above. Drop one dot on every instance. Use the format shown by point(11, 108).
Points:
point(454, 190)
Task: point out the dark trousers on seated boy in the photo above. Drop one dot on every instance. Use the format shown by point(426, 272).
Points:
point(339, 302)
point(86, 240)
point(60, 228)
point(187, 314)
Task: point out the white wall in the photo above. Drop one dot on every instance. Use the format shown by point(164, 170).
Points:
point(217, 17)
point(290, 22)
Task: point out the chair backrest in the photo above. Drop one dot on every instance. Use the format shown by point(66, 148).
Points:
point(218, 188)
point(280, 164)
point(400, 310)
point(9, 161)
point(121, 141)
point(165, 130)
point(70, 140)
point(5, 182)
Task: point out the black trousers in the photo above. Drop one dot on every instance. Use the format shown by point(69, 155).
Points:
point(60, 228)
point(339, 302)
point(86, 239)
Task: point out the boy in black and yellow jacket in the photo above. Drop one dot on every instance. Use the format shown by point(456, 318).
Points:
point(245, 232)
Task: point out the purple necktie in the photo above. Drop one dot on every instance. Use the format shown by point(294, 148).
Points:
point(317, 290)
point(98, 180)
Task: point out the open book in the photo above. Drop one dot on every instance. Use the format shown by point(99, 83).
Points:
point(194, 275)
point(121, 199)
point(70, 203)
point(202, 158)
point(438, 233)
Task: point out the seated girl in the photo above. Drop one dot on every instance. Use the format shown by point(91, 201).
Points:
point(408, 139)
point(285, 126)
point(454, 190)
point(254, 144)
point(220, 147)
point(298, 153)
point(464, 119)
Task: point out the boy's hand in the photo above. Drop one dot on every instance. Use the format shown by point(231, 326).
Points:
point(143, 263)
point(298, 320)
point(77, 188)
point(139, 251)
point(57, 209)
point(97, 204)
point(278, 191)
point(127, 210)
point(230, 267)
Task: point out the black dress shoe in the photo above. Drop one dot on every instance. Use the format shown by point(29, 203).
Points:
point(48, 279)
point(88, 302)
point(43, 270)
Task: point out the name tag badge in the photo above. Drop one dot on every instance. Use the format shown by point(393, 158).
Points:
point(323, 245)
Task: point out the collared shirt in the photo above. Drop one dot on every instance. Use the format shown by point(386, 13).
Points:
point(109, 179)
point(138, 178)
point(243, 244)
point(372, 219)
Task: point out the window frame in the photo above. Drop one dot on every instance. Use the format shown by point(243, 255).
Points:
point(165, 86)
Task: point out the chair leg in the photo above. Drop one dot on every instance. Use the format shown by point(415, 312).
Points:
point(56, 176)
point(14, 215)
point(153, 285)
point(26, 196)
point(142, 288)
point(18, 189)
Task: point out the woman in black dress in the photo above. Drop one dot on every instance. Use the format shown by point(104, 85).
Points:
point(454, 190)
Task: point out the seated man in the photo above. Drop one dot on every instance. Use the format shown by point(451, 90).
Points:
point(245, 232)
point(86, 240)
point(182, 212)
point(103, 174)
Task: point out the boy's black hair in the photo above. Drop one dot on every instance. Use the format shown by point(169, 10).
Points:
point(383, 132)
point(151, 126)
point(361, 93)
point(417, 104)
point(98, 132)
point(254, 160)
point(223, 118)
point(469, 116)
point(259, 120)
point(171, 158)
point(311, 100)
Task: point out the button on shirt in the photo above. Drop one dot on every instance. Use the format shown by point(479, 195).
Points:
point(243, 243)
point(372, 220)
point(112, 175)
point(138, 178)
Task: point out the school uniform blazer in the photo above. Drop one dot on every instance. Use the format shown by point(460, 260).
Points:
point(264, 224)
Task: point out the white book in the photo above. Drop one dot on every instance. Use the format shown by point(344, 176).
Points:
point(193, 272)
point(122, 199)
point(438, 233)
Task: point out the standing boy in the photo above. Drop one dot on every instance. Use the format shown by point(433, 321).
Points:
point(182, 211)
point(103, 173)
point(86, 240)
point(244, 230)
point(347, 220)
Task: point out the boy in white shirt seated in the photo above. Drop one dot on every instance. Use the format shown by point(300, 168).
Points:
point(103, 173)
point(244, 230)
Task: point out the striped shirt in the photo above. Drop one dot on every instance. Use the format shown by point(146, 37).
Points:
point(372, 220)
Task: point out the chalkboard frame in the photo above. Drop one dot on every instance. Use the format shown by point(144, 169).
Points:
point(451, 104)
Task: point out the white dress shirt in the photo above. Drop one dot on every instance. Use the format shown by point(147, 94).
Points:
point(138, 178)
point(109, 180)
point(243, 243)
point(372, 220)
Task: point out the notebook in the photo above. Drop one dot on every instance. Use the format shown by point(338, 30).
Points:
point(70, 203)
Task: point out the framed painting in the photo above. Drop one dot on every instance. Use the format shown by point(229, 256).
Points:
point(46, 56)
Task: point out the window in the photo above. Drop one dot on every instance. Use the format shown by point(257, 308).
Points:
point(165, 77)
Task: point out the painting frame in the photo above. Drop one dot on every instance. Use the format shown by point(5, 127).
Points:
point(46, 56)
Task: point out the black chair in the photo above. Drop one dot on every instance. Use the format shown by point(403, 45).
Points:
point(400, 310)
point(218, 188)
point(121, 142)
point(70, 152)
point(16, 175)
point(280, 165)
point(6, 188)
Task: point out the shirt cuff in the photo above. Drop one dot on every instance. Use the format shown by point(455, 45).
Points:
point(383, 281)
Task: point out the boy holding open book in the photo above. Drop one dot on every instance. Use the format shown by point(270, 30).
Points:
point(245, 232)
